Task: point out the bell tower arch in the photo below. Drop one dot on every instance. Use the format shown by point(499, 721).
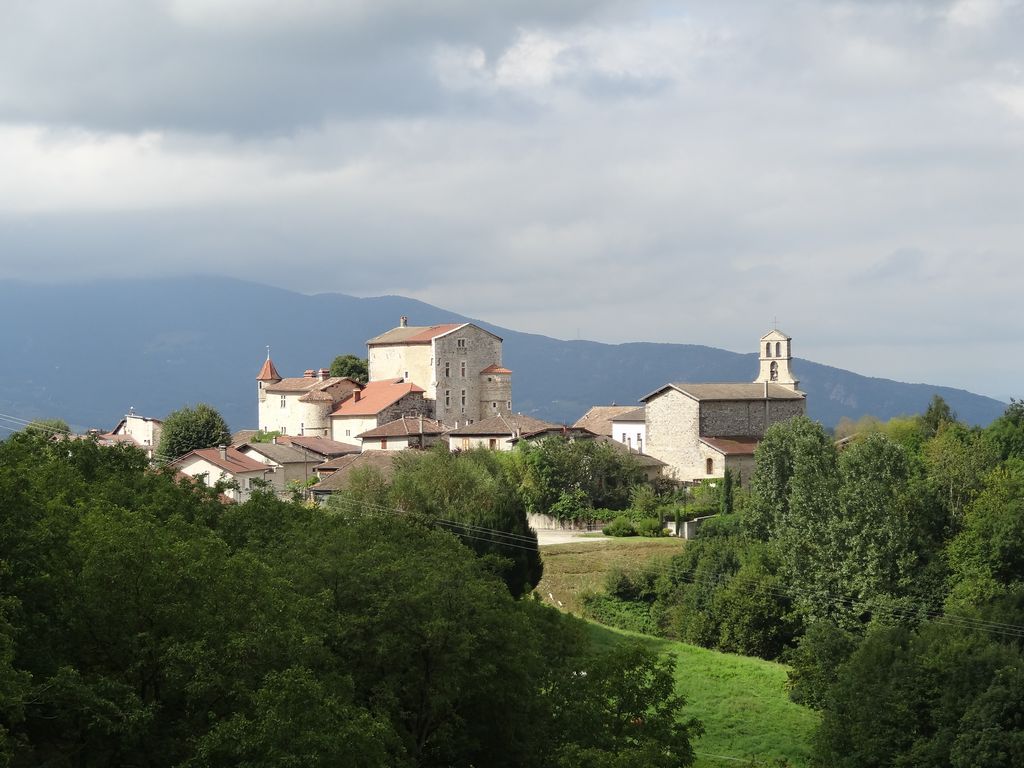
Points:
point(776, 357)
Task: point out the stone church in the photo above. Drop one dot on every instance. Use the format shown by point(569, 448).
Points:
point(700, 430)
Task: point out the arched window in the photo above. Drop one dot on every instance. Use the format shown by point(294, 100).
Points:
point(767, 349)
point(778, 349)
point(775, 371)
point(711, 466)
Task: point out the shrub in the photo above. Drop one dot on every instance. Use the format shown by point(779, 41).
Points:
point(620, 526)
point(650, 527)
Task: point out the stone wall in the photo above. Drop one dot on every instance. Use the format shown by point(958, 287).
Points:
point(467, 351)
point(402, 361)
point(672, 433)
point(412, 404)
point(745, 418)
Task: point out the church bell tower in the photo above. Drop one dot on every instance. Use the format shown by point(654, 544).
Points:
point(776, 356)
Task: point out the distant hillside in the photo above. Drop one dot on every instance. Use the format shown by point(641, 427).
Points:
point(86, 352)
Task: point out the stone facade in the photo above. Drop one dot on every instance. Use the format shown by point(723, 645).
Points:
point(457, 365)
point(673, 434)
point(746, 418)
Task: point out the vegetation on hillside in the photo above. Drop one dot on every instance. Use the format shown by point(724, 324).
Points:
point(187, 429)
point(888, 570)
point(145, 623)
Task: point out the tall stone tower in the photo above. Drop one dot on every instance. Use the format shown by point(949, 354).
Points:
point(776, 356)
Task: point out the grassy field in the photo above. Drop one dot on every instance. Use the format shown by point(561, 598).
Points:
point(748, 718)
point(571, 570)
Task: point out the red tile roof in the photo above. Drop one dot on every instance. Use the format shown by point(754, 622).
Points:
point(406, 425)
point(495, 369)
point(234, 461)
point(414, 334)
point(732, 446)
point(268, 372)
point(375, 397)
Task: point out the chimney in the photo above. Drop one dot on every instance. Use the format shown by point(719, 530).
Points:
point(223, 452)
point(403, 322)
point(324, 373)
point(357, 396)
point(309, 374)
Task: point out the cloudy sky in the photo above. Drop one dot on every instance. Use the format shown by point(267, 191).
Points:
point(657, 171)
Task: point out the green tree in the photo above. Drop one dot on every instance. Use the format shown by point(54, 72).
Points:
point(1007, 432)
point(352, 367)
point(936, 415)
point(50, 427)
point(726, 498)
point(187, 429)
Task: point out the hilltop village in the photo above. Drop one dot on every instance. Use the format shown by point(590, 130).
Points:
point(447, 384)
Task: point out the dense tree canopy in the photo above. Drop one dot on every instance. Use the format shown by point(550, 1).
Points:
point(187, 429)
point(145, 623)
point(352, 367)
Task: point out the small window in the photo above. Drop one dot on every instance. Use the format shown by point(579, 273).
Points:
point(639, 444)
point(465, 442)
point(348, 433)
point(494, 406)
point(711, 466)
point(463, 398)
point(463, 369)
point(284, 401)
point(639, 437)
point(406, 376)
point(623, 438)
point(283, 430)
point(460, 343)
point(778, 349)
point(447, 369)
point(383, 443)
point(767, 349)
point(775, 371)
point(508, 404)
point(447, 398)
point(492, 443)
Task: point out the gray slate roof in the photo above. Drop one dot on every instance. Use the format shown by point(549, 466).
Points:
point(501, 425)
point(742, 391)
point(599, 418)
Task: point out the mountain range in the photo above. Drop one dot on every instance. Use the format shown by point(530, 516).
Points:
point(87, 352)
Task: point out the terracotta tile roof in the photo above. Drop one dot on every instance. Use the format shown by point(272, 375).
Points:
point(637, 415)
point(406, 425)
point(557, 430)
point(502, 425)
point(345, 466)
point(323, 446)
point(234, 461)
point(741, 391)
point(243, 436)
point(316, 397)
point(732, 446)
point(308, 384)
point(643, 459)
point(495, 369)
point(281, 454)
point(414, 334)
point(375, 397)
point(268, 372)
point(599, 418)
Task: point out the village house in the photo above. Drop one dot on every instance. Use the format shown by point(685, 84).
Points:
point(300, 405)
point(402, 433)
point(599, 418)
point(141, 431)
point(458, 366)
point(700, 430)
point(374, 405)
point(289, 464)
point(223, 464)
point(336, 474)
point(630, 428)
point(502, 432)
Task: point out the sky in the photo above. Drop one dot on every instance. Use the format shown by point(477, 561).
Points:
point(692, 172)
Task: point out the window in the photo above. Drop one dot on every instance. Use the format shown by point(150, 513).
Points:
point(494, 406)
point(623, 441)
point(639, 443)
point(775, 371)
point(447, 369)
point(460, 343)
point(508, 404)
point(463, 398)
point(778, 348)
point(462, 370)
point(383, 443)
point(767, 349)
point(406, 376)
point(711, 466)
point(492, 443)
point(284, 401)
point(348, 433)
point(447, 398)
point(283, 430)
point(465, 442)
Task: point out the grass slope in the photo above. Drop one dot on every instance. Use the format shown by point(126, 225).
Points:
point(572, 570)
point(748, 718)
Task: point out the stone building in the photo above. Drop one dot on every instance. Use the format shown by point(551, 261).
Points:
point(458, 365)
point(300, 405)
point(376, 404)
point(700, 430)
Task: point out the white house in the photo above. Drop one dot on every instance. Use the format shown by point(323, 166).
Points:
point(300, 405)
point(374, 405)
point(402, 433)
point(630, 429)
point(223, 464)
point(143, 431)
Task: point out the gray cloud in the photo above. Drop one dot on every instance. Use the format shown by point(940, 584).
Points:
point(625, 171)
